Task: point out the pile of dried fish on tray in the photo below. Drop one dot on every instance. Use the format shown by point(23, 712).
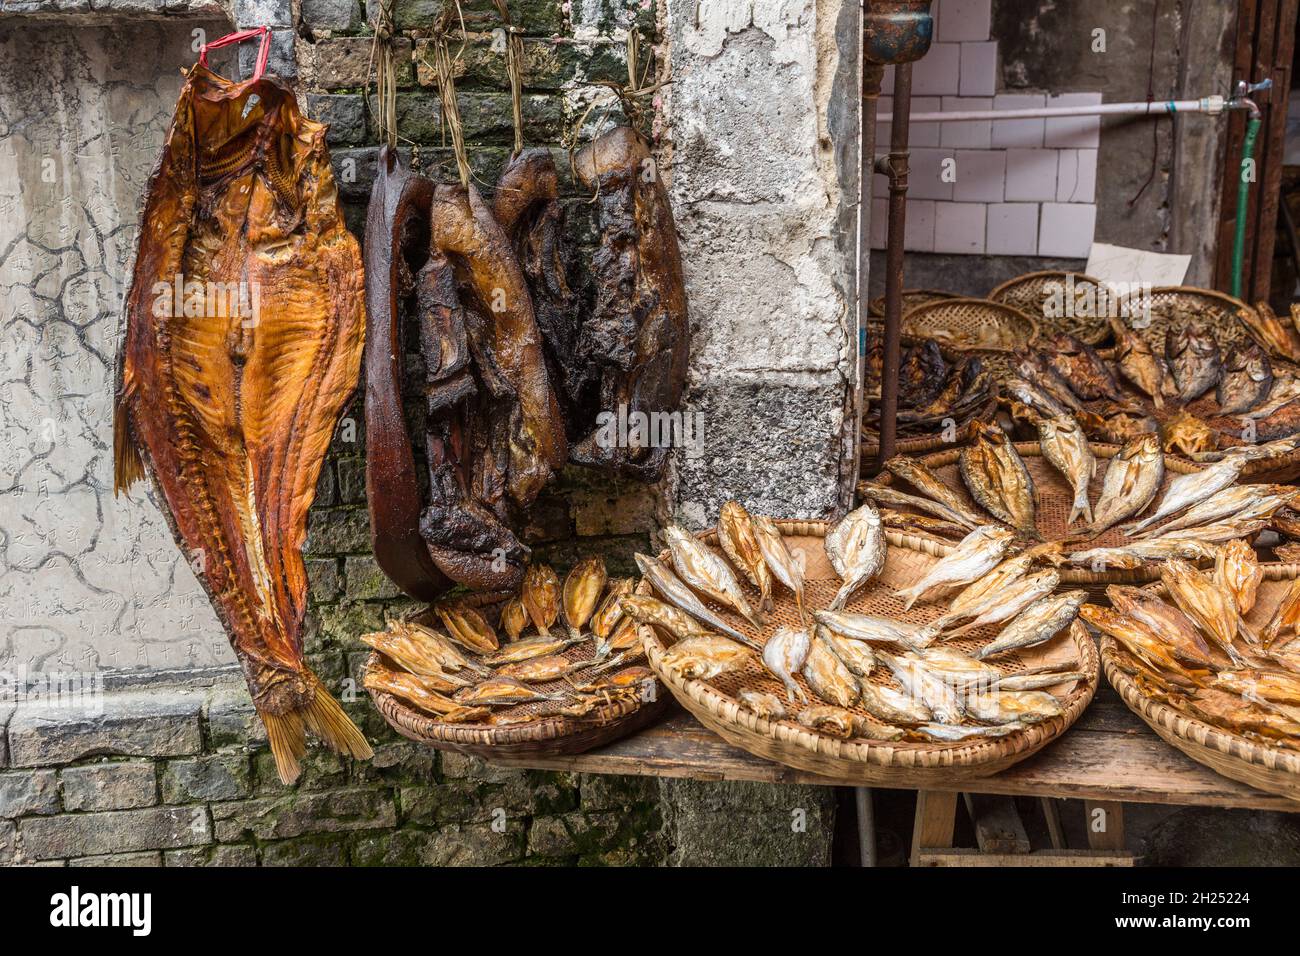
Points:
point(937, 398)
point(1211, 661)
point(853, 651)
point(568, 675)
point(1115, 514)
point(1202, 391)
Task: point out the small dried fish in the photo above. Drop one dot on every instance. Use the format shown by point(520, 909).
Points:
point(1282, 340)
point(539, 670)
point(877, 630)
point(676, 623)
point(784, 567)
point(740, 544)
point(1166, 622)
point(908, 521)
point(421, 654)
point(1243, 501)
point(1139, 363)
point(1037, 681)
point(957, 668)
point(703, 658)
point(783, 655)
point(939, 698)
point(706, 572)
point(541, 597)
point(1005, 574)
point(467, 627)
point(901, 499)
point(767, 706)
point(1186, 490)
point(408, 687)
point(828, 676)
point(1284, 392)
point(1066, 447)
point(856, 655)
point(1137, 553)
point(524, 650)
point(1281, 628)
point(1034, 368)
point(500, 692)
point(997, 478)
point(1186, 434)
point(1219, 532)
point(919, 476)
point(977, 554)
point(1280, 423)
point(1132, 479)
point(1081, 367)
point(1037, 624)
point(953, 732)
point(892, 706)
point(1193, 357)
point(829, 720)
point(678, 594)
point(1247, 379)
point(628, 677)
point(581, 593)
point(514, 618)
point(1260, 452)
point(1003, 604)
point(1034, 398)
point(856, 548)
point(1140, 641)
point(1208, 607)
point(1023, 707)
point(610, 611)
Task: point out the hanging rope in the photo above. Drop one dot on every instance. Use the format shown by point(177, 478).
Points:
point(383, 64)
point(515, 71)
point(442, 66)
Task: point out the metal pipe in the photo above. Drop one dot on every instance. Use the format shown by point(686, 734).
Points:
point(871, 77)
point(895, 165)
point(1212, 105)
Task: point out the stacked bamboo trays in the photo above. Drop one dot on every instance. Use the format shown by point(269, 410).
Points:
point(921, 444)
point(905, 764)
point(552, 735)
point(1032, 292)
point(1053, 500)
point(911, 298)
point(971, 325)
point(1178, 304)
point(1263, 766)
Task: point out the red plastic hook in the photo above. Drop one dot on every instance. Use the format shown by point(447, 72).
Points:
point(263, 54)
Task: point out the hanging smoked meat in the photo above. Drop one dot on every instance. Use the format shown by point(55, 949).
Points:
point(527, 206)
point(244, 328)
point(637, 336)
point(493, 432)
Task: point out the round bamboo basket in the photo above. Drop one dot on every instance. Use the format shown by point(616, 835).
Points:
point(1179, 304)
point(971, 325)
point(903, 764)
point(921, 444)
point(911, 299)
point(1029, 294)
point(546, 735)
point(1053, 499)
point(1260, 765)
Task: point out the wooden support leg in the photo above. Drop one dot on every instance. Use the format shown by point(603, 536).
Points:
point(1105, 823)
point(936, 818)
point(1053, 818)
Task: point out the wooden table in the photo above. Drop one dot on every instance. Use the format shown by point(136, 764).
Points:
point(1108, 758)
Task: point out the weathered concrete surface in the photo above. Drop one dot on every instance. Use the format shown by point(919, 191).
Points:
point(743, 824)
point(1195, 837)
point(761, 207)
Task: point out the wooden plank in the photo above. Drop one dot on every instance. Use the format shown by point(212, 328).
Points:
point(936, 818)
point(1105, 823)
point(1276, 64)
point(998, 827)
point(1037, 858)
point(1133, 766)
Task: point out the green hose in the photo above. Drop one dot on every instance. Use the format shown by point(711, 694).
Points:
point(1243, 196)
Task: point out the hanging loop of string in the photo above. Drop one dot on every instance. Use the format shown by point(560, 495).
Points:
point(383, 64)
point(442, 66)
point(515, 71)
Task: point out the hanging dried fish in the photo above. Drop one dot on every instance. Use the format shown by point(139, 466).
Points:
point(229, 407)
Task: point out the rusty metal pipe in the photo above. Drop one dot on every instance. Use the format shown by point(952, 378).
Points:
point(871, 79)
point(894, 165)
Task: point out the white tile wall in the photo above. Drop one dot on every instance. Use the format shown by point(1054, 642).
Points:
point(1021, 187)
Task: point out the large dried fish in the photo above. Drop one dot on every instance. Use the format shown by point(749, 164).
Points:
point(541, 597)
point(901, 499)
point(581, 592)
point(856, 548)
point(1001, 605)
point(1140, 641)
point(1247, 379)
point(919, 476)
point(706, 572)
point(829, 677)
point(1066, 447)
point(411, 689)
point(784, 567)
point(230, 407)
point(877, 630)
point(1169, 624)
point(1034, 398)
point(1080, 366)
point(1137, 553)
point(1035, 625)
point(784, 655)
point(1023, 707)
point(740, 544)
point(1132, 479)
point(938, 697)
point(1139, 363)
point(703, 658)
point(1193, 357)
point(678, 594)
point(1209, 608)
point(997, 478)
point(1186, 490)
point(1034, 368)
point(977, 554)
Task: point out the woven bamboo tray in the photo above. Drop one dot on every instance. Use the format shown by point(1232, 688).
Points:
point(1053, 499)
point(547, 735)
point(1179, 304)
point(1261, 765)
point(971, 325)
point(1029, 293)
point(912, 298)
point(920, 444)
point(903, 764)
